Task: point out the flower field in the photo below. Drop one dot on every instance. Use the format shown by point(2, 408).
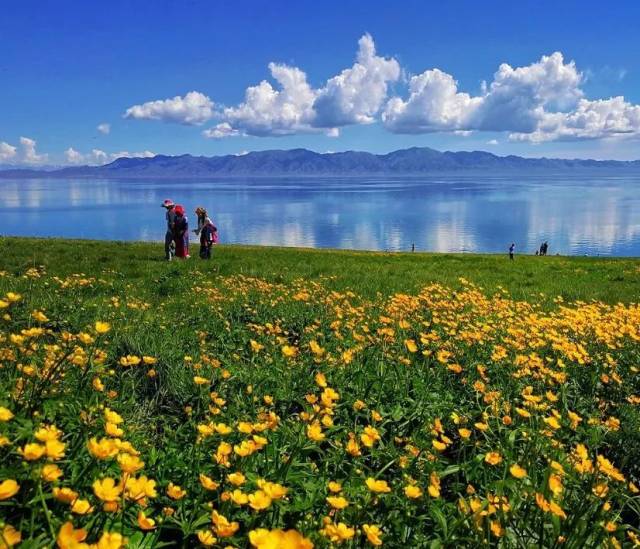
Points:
point(236, 411)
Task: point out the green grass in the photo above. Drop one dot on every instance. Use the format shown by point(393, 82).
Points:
point(610, 280)
point(318, 351)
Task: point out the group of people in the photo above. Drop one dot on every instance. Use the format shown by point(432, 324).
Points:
point(176, 239)
point(544, 247)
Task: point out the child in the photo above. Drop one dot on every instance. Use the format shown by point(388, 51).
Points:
point(208, 237)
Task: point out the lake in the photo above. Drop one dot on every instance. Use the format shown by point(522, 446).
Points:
point(587, 212)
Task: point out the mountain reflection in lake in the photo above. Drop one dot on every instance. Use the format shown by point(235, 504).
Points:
point(595, 212)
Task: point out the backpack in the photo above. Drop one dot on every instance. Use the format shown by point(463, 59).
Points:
point(214, 234)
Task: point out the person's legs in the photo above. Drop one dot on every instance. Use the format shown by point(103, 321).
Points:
point(168, 239)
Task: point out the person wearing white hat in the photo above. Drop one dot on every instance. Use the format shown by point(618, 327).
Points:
point(171, 221)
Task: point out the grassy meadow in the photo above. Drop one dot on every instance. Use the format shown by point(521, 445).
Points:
point(284, 398)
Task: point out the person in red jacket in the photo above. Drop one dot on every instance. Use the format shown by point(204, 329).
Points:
point(181, 232)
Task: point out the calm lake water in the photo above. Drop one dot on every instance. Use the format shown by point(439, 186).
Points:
point(586, 212)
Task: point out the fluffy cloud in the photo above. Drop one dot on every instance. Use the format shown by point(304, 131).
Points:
point(28, 153)
point(7, 152)
point(540, 102)
point(356, 94)
point(221, 130)
point(292, 106)
point(98, 157)
point(193, 109)
point(270, 111)
point(613, 117)
point(104, 128)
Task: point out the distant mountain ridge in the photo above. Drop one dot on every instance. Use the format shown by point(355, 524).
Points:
point(302, 162)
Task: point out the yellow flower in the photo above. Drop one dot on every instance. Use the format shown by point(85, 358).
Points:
point(51, 472)
point(54, 449)
point(130, 360)
point(39, 316)
point(555, 484)
point(111, 540)
point(112, 417)
point(517, 471)
point(373, 534)
point(239, 497)
point(555, 509)
point(69, 537)
point(222, 526)
point(314, 432)
point(139, 488)
point(434, 485)
point(493, 458)
point(130, 464)
point(113, 430)
point(237, 479)
point(208, 483)
point(47, 432)
point(335, 487)
point(65, 495)
point(412, 492)
point(438, 445)
point(259, 500)
point(496, 529)
point(339, 532)
point(378, 486)
point(144, 522)
point(273, 489)
point(102, 327)
point(104, 449)
point(337, 502)
point(81, 507)
point(464, 433)
point(5, 414)
point(149, 359)
point(289, 351)
point(411, 346)
point(97, 384)
point(262, 538)
point(370, 436)
point(107, 489)
point(206, 537)
point(175, 492)
point(8, 489)
point(32, 451)
point(321, 380)
point(9, 536)
point(200, 380)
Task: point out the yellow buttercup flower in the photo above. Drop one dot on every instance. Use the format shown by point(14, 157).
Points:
point(32, 451)
point(276, 539)
point(102, 327)
point(69, 537)
point(175, 492)
point(412, 492)
point(373, 533)
point(107, 489)
point(207, 482)
point(9, 536)
point(8, 489)
point(103, 449)
point(337, 502)
point(81, 507)
point(236, 479)
point(517, 471)
point(259, 500)
point(5, 414)
point(65, 495)
point(493, 458)
point(206, 537)
point(378, 486)
point(51, 472)
point(144, 522)
point(130, 464)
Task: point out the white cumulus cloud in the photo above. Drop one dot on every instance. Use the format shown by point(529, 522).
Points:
point(28, 153)
point(193, 109)
point(7, 152)
point(104, 128)
point(539, 102)
point(356, 94)
point(292, 105)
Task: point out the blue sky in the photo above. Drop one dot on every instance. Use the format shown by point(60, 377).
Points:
point(70, 66)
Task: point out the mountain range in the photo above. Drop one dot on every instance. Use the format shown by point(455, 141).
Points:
point(302, 162)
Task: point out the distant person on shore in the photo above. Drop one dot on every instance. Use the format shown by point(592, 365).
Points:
point(512, 250)
point(545, 247)
point(208, 237)
point(170, 217)
point(181, 232)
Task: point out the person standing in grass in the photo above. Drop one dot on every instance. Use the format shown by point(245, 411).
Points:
point(208, 237)
point(170, 217)
point(181, 232)
point(512, 250)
